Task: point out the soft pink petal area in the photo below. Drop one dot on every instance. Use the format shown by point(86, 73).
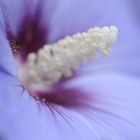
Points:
point(79, 15)
point(115, 114)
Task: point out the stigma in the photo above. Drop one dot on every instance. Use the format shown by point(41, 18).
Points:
point(54, 62)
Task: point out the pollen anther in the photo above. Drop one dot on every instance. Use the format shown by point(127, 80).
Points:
point(15, 48)
point(53, 62)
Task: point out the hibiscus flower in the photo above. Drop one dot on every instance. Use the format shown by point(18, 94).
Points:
point(73, 101)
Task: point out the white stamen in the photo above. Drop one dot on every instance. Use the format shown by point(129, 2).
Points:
point(52, 62)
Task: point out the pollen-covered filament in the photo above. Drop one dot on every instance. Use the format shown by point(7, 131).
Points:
point(54, 62)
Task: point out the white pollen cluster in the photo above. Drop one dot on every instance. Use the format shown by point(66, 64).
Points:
point(54, 62)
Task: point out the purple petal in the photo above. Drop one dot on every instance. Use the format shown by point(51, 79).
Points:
point(114, 114)
point(7, 61)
